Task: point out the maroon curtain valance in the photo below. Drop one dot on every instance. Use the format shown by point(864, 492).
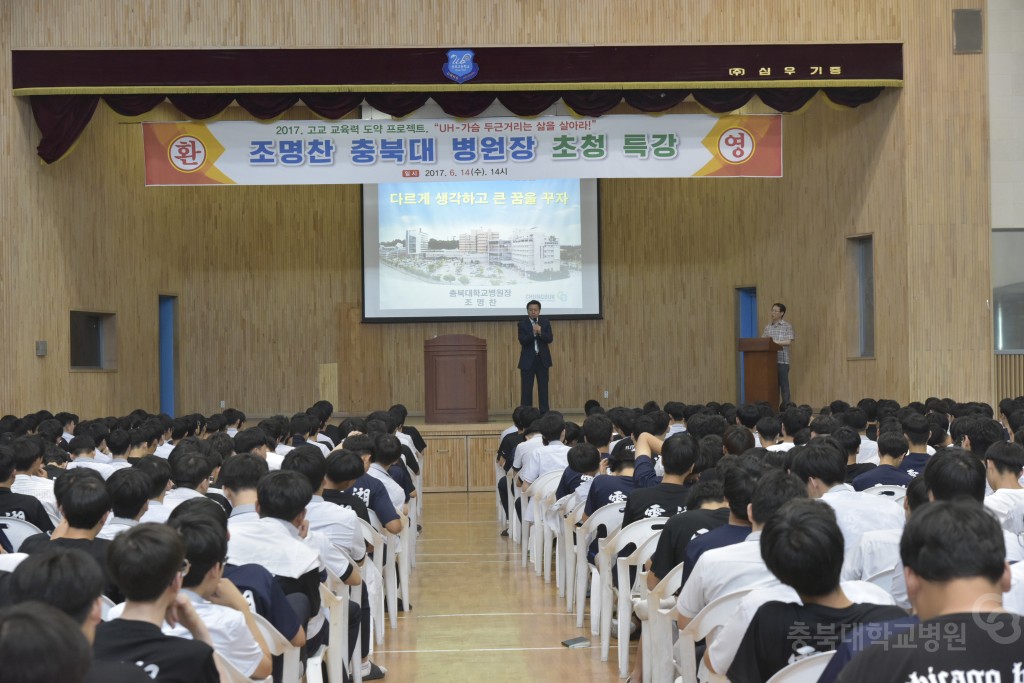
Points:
point(65, 85)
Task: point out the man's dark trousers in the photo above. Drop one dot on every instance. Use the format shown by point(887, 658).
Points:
point(540, 371)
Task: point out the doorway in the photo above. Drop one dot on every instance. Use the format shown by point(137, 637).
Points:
point(746, 327)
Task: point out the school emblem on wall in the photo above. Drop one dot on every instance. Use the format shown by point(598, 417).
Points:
point(460, 67)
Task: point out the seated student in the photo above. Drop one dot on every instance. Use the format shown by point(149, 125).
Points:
point(419, 445)
point(19, 505)
point(532, 441)
point(584, 463)
point(370, 489)
point(276, 430)
point(190, 473)
point(129, 490)
point(615, 486)
point(1003, 464)
point(303, 428)
point(387, 422)
point(254, 440)
point(737, 439)
point(386, 453)
point(677, 418)
point(180, 428)
point(239, 477)
point(323, 410)
point(956, 573)
point(791, 422)
point(28, 633)
point(821, 465)
point(706, 509)
point(82, 450)
point(678, 456)
point(849, 442)
point(506, 448)
point(892, 447)
point(30, 478)
point(84, 504)
point(159, 473)
point(234, 633)
point(340, 525)
point(69, 581)
point(234, 420)
point(118, 441)
point(341, 470)
point(148, 563)
point(257, 585)
point(739, 478)
point(735, 567)
point(916, 429)
point(802, 545)
point(550, 457)
point(767, 430)
point(879, 551)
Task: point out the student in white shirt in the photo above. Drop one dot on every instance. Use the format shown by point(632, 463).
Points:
point(322, 411)
point(159, 473)
point(677, 418)
point(303, 428)
point(29, 476)
point(822, 467)
point(119, 441)
point(1003, 464)
point(792, 420)
point(222, 607)
point(386, 453)
point(234, 419)
point(129, 499)
point(82, 449)
point(549, 457)
point(180, 428)
point(255, 440)
point(239, 477)
point(190, 472)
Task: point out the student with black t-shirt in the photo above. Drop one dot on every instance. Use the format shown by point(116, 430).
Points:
point(803, 546)
point(678, 456)
point(891, 449)
point(17, 505)
point(371, 490)
point(850, 442)
point(148, 562)
point(84, 502)
point(70, 581)
point(953, 555)
point(706, 509)
point(41, 643)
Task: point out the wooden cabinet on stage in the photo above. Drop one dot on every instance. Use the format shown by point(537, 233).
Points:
point(457, 461)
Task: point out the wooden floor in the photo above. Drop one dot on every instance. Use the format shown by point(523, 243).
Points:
point(477, 615)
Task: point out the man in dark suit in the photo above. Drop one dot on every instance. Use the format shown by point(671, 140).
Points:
point(535, 357)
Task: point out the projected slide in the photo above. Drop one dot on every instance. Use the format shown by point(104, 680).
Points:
point(456, 250)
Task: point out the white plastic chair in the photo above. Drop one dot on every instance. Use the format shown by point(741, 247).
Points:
point(568, 550)
point(389, 570)
point(701, 627)
point(335, 596)
point(897, 493)
point(609, 518)
point(658, 629)
point(499, 480)
point(106, 604)
point(531, 541)
point(403, 558)
point(883, 579)
point(806, 670)
point(626, 592)
point(515, 523)
point(17, 530)
point(634, 534)
point(278, 645)
point(376, 597)
point(543, 497)
point(229, 673)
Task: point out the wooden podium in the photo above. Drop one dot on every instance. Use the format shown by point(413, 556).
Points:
point(456, 379)
point(760, 369)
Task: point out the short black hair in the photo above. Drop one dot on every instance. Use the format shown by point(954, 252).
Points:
point(597, 430)
point(41, 643)
point(802, 545)
point(143, 560)
point(232, 415)
point(739, 480)
point(66, 578)
point(159, 472)
point(81, 444)
point(200, 506)
point(983, 432)
point(892, 444)
point(283, 495)
point(794, 419)
point(738, 439)
point(248, 440)
point(1007, 457)
point(190, 470)
point(27, 450)
point(855, 419)
point(773, 490)
point(917, 492)
point(7, 459)
point(84, 501)
point(243, 471)
point(705, 491)
point(769, 428)
point(916, 428)
point(118, 441)
point(206, 545)
point(129, 489)
point(552, 425)
point(675, 409)
point(389, 450)
point(848, 440)
point(782, 308)
point(748, 414)
point(679, 453)
point(821, 462)
point(584, 458)
point(309, 462)
point(360, 445)
point(954, 472)
point(342, 466)
point(531, 302)
point(953, 539)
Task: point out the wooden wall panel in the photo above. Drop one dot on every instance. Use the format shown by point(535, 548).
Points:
point(268, 278)
point(1009, 377)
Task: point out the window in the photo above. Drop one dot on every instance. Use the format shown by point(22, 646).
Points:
point(1008, 290)
point(861, 260)
point(93, 341)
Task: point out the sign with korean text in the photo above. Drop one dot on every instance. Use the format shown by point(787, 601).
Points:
point(429, 150)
